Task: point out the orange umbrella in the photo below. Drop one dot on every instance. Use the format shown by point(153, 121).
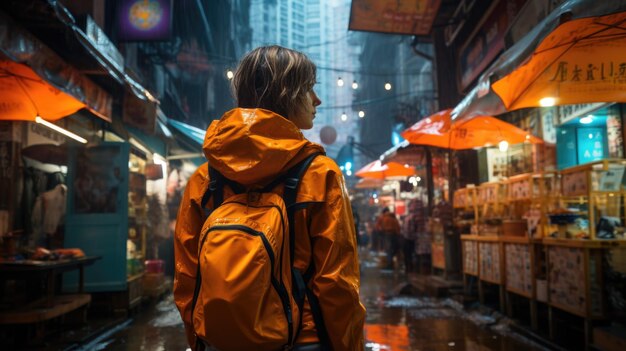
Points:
point(432, 130)
point(24, 95)
point(378, 170)
point(479, 131)
point(581, 61)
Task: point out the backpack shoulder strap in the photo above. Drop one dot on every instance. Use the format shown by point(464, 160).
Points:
point(292, 179)
point(216, 188)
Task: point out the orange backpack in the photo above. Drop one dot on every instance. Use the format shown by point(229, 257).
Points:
point(248, 296)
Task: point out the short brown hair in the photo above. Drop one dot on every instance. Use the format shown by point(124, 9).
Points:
point(273, 78)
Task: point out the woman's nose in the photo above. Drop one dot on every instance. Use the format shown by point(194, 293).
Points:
point(316, 100)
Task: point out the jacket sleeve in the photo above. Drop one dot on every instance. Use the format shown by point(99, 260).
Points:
point(336, 279)
point(189, 223)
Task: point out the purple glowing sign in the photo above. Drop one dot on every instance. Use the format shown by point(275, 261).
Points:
point(145, 20)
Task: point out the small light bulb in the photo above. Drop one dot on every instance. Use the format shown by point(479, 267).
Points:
point(344, 117)
point(503, 146)
point(547, 102)
point(361, 114)
point(387, 86)
point(229, 74)
point(355, 85)
point(340, 82)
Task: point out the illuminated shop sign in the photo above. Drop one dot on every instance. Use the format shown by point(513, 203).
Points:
point(145, 20)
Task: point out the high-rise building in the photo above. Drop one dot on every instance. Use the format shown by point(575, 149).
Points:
point(280, 22)
point(318, 28)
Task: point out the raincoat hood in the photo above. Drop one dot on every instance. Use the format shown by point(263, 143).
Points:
point(252, 146)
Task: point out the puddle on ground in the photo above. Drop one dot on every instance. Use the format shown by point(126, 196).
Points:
point(407, 323)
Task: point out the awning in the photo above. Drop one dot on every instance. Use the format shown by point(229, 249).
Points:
point(190, 139)
point(581, 61)
point(82, 43)
point(24, 95)
point(482, 100)
point(45, 67)
point(193, 134)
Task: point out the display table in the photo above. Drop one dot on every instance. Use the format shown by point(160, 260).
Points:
point(52, 303)
point(487, 252)
point(470, 255)
point(575, 277)
point(522, 262)
point(519, 265)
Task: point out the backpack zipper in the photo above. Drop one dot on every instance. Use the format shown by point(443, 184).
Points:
point(285, 296)
point(278, 286)
point(282, 221)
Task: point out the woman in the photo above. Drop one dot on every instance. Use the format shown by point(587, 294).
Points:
point(255, 143)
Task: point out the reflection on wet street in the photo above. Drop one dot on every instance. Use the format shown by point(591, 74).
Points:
point(402, 323)
point(394, 323)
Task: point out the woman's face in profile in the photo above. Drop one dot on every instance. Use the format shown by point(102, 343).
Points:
point(304, 114)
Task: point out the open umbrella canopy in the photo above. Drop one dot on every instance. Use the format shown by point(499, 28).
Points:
point(378, 170)
point(24, 95)
point(479, 131)
point(581, 61)
point(432, 130)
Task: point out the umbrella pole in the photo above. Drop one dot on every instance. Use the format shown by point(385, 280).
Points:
point(450, 177)
point(430, 185)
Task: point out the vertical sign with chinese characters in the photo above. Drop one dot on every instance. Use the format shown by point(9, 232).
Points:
point(590, 144)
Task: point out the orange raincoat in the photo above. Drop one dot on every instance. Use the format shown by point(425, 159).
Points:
point(252, 147)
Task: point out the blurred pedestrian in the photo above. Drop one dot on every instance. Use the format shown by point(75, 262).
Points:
point(390, 227)
point(412, 227)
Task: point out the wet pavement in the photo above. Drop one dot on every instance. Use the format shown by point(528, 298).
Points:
point(394, 323)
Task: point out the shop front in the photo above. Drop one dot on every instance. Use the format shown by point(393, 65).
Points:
point(116, 209)
point(546, 232)
point(76, 187)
